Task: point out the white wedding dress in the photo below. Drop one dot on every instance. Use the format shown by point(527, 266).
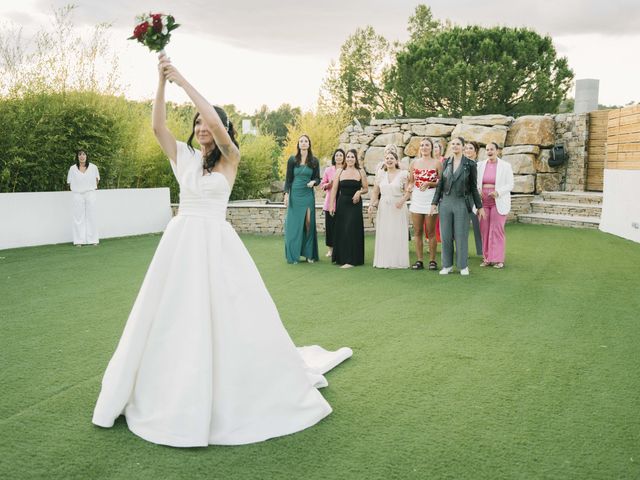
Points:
point(204, 357)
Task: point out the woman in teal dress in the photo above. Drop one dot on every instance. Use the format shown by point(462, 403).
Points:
point(303, 173)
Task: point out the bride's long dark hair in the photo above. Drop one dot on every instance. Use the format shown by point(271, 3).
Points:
point(214, 155)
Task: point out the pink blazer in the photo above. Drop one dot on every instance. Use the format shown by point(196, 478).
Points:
point(326, 183)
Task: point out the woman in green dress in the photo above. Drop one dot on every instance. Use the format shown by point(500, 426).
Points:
point(303, 173)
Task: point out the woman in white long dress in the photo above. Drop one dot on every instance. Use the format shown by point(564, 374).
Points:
point(204, 357)
point(83, 178)
point(392, 229)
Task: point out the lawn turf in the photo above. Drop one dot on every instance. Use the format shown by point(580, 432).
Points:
point(528, 372)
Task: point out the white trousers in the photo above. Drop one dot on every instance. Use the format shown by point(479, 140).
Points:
point(85, 229)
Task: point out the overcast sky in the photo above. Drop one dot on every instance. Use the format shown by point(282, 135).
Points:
point(256, 52)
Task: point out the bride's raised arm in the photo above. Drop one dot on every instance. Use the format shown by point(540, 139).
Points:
point(230, 152)
point(159, 120)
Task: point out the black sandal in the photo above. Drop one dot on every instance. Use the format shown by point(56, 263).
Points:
point(418, 266)
point(433, 265)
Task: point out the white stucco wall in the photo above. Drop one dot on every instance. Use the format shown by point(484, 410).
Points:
point(621, 204)
point(28, 219)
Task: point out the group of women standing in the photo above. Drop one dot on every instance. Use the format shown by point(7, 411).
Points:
point(344, 182)
point(446, 195)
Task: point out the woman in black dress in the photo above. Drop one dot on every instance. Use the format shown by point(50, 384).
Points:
point(349, 184)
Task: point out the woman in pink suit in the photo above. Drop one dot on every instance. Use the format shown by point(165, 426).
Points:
point(495, 182)
point(337, 162)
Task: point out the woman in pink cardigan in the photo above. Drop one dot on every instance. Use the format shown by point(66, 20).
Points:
point(337, 161)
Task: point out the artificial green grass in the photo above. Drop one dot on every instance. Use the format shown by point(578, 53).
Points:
point(529, 372)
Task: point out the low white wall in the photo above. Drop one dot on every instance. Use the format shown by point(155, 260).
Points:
point(621, 204)
point(28, 219)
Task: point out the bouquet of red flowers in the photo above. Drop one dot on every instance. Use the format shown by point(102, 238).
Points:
point(154, 30)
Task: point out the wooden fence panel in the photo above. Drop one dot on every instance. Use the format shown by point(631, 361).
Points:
point(623, 139)
point(596, 149)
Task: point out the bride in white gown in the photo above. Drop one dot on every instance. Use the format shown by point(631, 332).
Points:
point(204, 357)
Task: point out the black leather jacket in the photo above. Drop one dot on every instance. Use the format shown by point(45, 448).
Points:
point(462, 183)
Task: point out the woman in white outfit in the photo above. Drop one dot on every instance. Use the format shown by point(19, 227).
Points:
point(390, 193)
point(83, 178)
point(204, 357)
point(424, 173)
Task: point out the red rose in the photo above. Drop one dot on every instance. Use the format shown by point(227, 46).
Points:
point(137, 32)
point(157, 25)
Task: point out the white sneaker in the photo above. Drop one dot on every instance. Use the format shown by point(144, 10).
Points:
point(464, 271)
point(446, 270)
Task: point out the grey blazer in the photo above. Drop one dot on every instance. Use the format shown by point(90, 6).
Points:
point(461, 183)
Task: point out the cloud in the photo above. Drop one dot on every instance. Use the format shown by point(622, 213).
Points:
point(269, 26)
point(565, 17)
point(319, 27)
point(19, 18)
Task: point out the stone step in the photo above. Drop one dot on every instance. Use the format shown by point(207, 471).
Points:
point(559, 220)
point(566, 208)
point(594, 198)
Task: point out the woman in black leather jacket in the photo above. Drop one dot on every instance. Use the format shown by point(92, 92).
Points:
point(455, 195)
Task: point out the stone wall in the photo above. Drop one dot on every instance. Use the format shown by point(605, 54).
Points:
point(262, 218)
point(525, 142)
point(519, 204)
point(572, 129)
point(268, 219)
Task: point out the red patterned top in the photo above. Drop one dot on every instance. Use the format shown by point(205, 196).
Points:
point(424, 175)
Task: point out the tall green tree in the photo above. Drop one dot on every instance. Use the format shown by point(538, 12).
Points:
point(476, 70)
point(422, 25)
point(275, 122)
point(355, 84)
point(236, 116)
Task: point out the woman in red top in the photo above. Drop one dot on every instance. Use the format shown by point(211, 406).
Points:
point(439, 148)
point(424, 173)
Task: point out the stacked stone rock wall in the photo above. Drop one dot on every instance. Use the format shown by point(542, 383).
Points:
point(572, 130)
point(268, 219)
point(526, 143)
point(259, 217)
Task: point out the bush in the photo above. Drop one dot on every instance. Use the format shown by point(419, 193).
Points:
point(45, 130)
point(323, 130)
point(258, 166)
